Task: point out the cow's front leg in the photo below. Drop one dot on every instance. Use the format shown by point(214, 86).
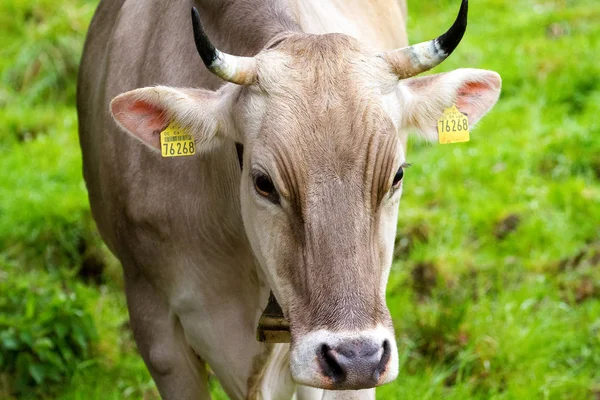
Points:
point(179, 374)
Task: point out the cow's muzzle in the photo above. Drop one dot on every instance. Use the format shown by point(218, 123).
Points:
point(345, 360)
point(354, 364)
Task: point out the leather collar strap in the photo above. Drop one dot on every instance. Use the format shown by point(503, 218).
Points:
point(273, 327)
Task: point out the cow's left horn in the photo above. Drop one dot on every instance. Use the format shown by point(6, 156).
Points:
point(240, 70)
point(412, 60)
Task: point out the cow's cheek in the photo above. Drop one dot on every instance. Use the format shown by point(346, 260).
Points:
point(388, 223)
point(265, 227)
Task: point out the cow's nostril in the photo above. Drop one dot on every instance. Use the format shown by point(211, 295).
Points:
point(330, 365)
point(383, 362)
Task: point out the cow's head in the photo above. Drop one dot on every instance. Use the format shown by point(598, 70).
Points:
point(322, 121)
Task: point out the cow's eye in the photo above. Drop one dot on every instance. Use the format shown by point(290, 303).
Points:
point(264, 186)
point(398, 178)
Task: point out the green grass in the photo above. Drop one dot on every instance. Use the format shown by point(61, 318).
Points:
point(495, 288)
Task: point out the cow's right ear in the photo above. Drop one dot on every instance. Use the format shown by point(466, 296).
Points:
point(146, 112)
point(473, 91)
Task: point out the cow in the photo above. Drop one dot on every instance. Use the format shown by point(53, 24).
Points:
point(298, 113)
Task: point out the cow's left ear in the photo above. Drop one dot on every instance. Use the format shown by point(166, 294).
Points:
point(146, 112)
point(423, 100)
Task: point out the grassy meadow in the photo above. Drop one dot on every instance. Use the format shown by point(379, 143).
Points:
point(495, 287)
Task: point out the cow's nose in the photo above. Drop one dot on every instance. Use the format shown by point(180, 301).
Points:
point(344, 359)
point(355, 363)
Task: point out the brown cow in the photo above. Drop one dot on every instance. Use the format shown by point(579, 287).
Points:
point(320, 121)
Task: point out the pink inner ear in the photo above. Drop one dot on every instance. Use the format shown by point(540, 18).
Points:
point(475, 98)
point(142, 119)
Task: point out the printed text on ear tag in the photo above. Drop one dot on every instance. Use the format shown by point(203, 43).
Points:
point(176, 142)
point(453, 126)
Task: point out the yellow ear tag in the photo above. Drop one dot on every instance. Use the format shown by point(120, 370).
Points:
point(176, 142)
point(453, 126)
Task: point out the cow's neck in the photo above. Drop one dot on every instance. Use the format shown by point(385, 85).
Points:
point(378, 23)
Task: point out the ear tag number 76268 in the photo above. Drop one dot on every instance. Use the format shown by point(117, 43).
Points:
point(176, 142)
point(453, 126)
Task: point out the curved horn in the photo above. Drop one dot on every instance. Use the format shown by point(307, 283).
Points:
point(412, 60)
point(240, 70)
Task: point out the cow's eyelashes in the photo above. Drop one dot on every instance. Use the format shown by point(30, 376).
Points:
point(264, 186)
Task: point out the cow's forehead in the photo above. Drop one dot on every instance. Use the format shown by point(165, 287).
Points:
point(318, 130)
point(308, 50)
point(323, 111)
point(322, 65)
point(323, 88)
point(342, 152)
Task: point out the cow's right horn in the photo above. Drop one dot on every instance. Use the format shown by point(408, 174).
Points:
point(234, 69)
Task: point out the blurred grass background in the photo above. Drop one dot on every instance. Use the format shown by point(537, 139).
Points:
point(495, 287)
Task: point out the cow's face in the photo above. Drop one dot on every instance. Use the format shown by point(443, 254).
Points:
point(322, 122)
point(322, 178)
